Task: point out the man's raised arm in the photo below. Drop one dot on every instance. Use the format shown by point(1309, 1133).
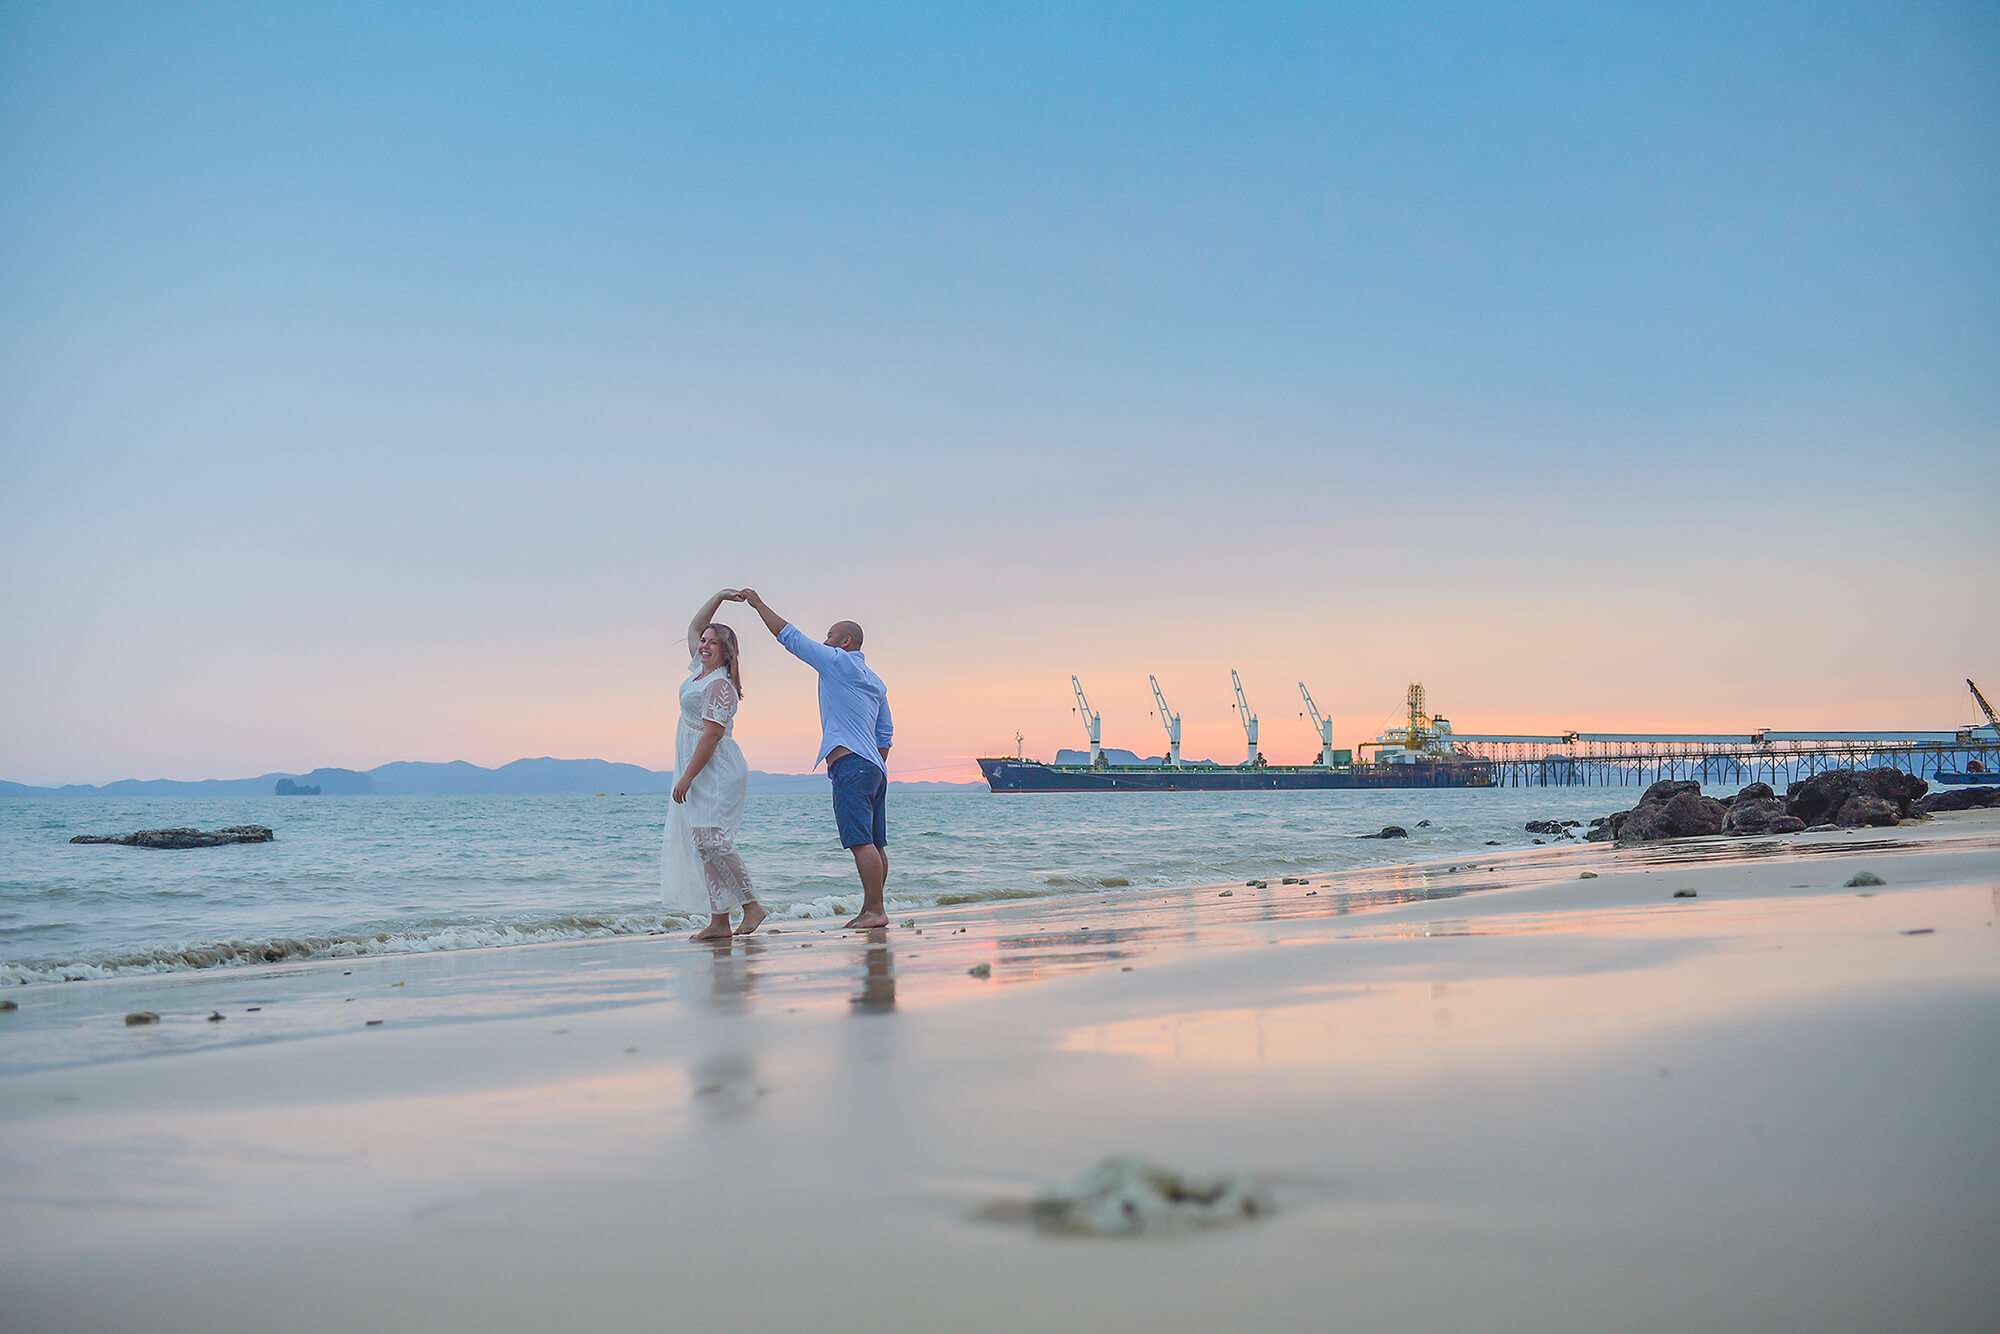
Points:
point(772, 621)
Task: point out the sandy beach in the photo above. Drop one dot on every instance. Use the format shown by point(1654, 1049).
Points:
point(1502, 1096)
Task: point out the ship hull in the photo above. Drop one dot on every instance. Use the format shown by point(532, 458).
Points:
point(1012, 775)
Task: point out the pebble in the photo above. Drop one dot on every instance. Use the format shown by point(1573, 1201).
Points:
point(215, 1018)
point(1920, 931)
point(980, 970)
point(139, 1017)
point(1860, 878)
point(909, 921)
point(1230, 893)
point(1684, 894)
point(1311, 893)
point(1587, 875)
point(6, 1006)
point(373, 1023)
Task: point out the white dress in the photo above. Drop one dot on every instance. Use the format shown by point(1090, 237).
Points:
point(700, 871)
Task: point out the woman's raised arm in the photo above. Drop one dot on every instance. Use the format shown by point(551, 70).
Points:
point(702, 618)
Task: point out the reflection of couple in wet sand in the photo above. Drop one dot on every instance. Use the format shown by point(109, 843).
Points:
point(700, 869)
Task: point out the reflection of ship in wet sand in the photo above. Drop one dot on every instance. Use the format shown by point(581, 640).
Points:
point(1419, 754)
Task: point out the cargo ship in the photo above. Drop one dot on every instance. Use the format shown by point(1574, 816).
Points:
point(1419, 754)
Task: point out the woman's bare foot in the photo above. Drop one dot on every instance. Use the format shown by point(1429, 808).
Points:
point(717, 929)
point(867, 920)
point(753, 917)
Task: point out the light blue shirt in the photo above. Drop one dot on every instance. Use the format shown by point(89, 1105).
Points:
point(853, 702)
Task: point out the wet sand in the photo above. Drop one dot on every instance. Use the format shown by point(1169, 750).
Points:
point(1502, 1097)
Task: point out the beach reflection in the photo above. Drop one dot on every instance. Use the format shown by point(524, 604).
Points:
point(733, 975)
point(878, 977)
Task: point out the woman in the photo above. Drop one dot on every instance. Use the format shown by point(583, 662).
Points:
point(699, 868)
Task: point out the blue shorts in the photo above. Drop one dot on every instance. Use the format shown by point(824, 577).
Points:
point(860, 794)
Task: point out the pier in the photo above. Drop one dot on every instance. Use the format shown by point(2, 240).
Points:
point(1638, 758)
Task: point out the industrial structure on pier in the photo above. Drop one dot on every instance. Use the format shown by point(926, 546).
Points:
point(1426, 752)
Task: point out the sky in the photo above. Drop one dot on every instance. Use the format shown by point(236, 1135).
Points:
point(385, 382)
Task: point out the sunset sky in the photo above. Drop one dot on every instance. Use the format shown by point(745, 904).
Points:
point(380, 385)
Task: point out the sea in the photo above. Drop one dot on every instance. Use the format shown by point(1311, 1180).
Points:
point(349, 877)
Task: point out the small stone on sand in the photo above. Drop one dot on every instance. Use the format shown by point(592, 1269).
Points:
point(1920, 931)
point(139, 1017)
point(1860, 878)
point(1684, 894)
point(1587, 875)
point(980, 970)
point(215, 1018)
point(1227, 894)
point(7, 1006)
point(373, 1023)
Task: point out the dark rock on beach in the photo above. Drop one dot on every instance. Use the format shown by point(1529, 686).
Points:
point(1758, 810)
point(1390, 831)
point(1851, 798)
point(1670, 808)
point(183, 838)
point(1544, 827)
point(1957, 799)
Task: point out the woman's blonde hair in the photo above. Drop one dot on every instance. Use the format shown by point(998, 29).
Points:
point(732, 656)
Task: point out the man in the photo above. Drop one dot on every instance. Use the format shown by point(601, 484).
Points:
point(855, 733)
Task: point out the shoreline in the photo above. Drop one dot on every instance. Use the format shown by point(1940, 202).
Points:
point(1504, 1096)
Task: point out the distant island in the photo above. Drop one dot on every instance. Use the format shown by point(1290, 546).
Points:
point(407, 778)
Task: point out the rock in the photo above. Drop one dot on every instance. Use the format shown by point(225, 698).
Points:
point(1541, 843)
point(139, 1017)
point(1861, 811)
point(1228, 894)
point(1128, 1196)
point(1544, 827)
point(1957, 799)
point(1760, 815)
point(1423, 824)
point(1390, 831)
point(1685, 894)
point(8, 1007)
point(1587, 875)
point(1667, 789)
point(1686, 814)
point(980, 970)
point(215, 1016)
point(1756, 792)
point(183, 838)
point(1862, 879)
point(1826, 798)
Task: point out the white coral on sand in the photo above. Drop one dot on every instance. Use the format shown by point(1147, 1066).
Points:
point(1124, 1196)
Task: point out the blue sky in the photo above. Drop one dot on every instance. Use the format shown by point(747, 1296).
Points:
point(386, 386)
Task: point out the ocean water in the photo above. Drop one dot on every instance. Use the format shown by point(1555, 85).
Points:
point(353, 876)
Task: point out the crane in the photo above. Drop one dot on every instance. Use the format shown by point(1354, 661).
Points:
point(1093, 723)
point(1248, 719)
point(1172, 721)
point(1324, 726)
point(1984, 707)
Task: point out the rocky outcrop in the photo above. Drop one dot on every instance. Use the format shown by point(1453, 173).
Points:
point(1670, 808)
point(1390, 831)
point(1957, 799)
point(1759, 810)
point(287, 788)
point(183, 838)
point(1683, 815)
point(1852, 798)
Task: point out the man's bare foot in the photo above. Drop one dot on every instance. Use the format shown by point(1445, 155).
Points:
point(753, 917)
point(710, 934)
point(868, 919)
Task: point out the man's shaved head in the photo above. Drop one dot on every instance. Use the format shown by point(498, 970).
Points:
point(841, 632)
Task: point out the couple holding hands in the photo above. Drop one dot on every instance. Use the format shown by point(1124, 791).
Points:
point(700, 868)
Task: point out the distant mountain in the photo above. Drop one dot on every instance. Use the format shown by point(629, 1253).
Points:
point(536, 777)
